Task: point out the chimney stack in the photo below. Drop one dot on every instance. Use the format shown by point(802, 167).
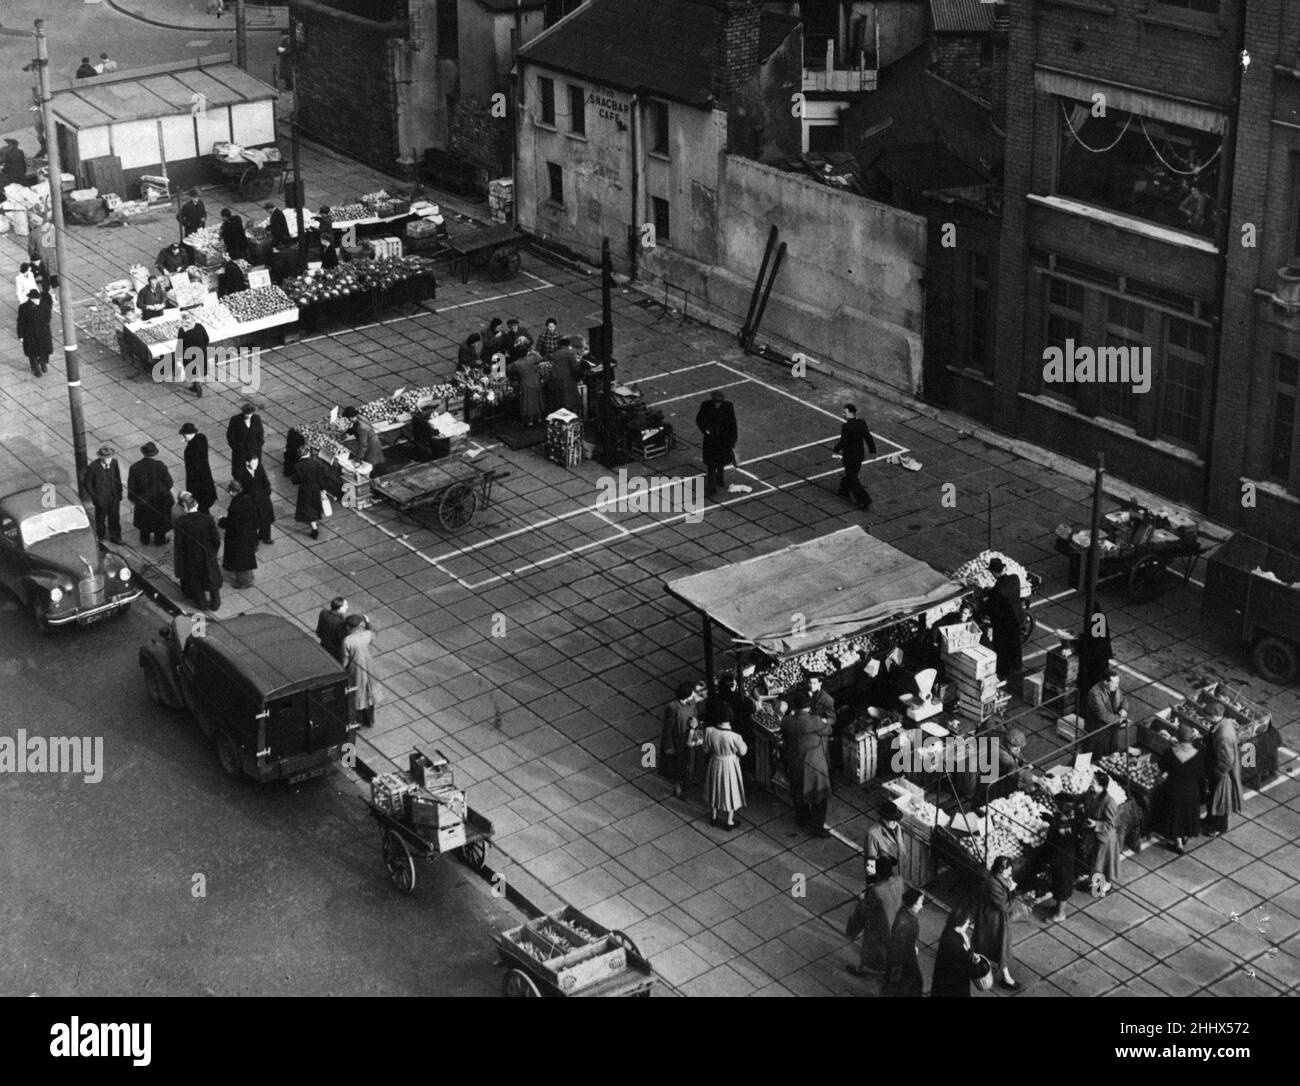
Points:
point(735, 51)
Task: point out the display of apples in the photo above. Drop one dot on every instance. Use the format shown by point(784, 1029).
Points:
point(1139, 770)
point(353, 277)
point(976, 572)
point(257, 304)
point(349, 213)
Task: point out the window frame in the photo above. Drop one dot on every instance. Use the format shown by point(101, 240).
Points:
point(979, 358)
point(554, 174)
point(1287, 480)
point(663, 232)
point(659, 110)
point(546, 101)
point(577, 111)
point(1173, 351)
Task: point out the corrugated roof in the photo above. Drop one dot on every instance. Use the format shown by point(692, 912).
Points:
point(164, 95)
point(961, 16)
point(665, 46)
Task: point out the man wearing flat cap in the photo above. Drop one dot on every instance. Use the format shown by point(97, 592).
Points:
point(717, 422)
point(193, 215)
point(1014, 772)
point(149, 490)
point(102, 484)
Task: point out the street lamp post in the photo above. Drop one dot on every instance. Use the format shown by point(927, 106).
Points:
point(55, 170)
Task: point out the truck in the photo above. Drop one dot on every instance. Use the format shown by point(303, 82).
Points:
point(273, 703)
point(1262, 611)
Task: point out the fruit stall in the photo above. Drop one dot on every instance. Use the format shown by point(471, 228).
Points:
point(358, 288)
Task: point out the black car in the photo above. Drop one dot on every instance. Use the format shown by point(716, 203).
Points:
point(49, 556)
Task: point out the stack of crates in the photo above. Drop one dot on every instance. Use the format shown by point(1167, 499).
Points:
point(1060, 678)
point(974, 672)
point(859, 754)
point(501, 199)
point(388, 792)
point(564, 438)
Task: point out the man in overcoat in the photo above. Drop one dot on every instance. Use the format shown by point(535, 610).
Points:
point(197, 545)
point(717, 422)
point(102, 484)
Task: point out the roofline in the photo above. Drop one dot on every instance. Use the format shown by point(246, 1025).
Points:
point(640, 89)
point(519, 53)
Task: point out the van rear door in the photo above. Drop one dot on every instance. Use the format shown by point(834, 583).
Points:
point(329, 714)
point(310, 720)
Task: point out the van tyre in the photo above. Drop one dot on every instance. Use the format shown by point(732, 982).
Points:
point(40, 616)
point(228, 755)
point(1276, 660)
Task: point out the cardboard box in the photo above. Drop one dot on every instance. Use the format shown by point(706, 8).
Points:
point(451, 837)
point(1069, 728)
point(1031, 691)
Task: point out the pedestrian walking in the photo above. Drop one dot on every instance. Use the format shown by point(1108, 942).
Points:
point(885, 840)
point(1105, 711)
point(955, 966)
point(102, 484)
point(1176, 805)
point(679, 720)
point(252, 480)
point(317, 476)
point(198, 472)
point(872, 918)
point(716, 420)
point(15, 163)
point(1224, 772)
point(149, 490)
point(192, 352)
point(1005, 610)
point(566, 379)
point(1103, 821)
point(197, 544)
point(332, 627)
point(854, 443)
point(369, 448)
point(902, 964)
point(245, 437)
point(358, 659)
point(193, 216)
point(44, 280)
point(34, 330)
point(526, 372)
point(993, 921)
point(1061, 862)
point(239, 554)
point(233, 235)
point(724, 787)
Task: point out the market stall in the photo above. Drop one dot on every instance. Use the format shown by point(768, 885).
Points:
point(358, 288)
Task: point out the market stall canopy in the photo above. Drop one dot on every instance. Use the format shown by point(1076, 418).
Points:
point(842, 584)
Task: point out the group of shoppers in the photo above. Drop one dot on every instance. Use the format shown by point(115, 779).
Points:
point(508, 349)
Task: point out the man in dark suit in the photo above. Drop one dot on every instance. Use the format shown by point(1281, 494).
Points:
point(855, 440)
point(196, 548)
point(102, 484)
point(1004, 610)
point(233, 236)
point(174, 258)
point(193, 215)
point(278, 227)
point(717, 422)
point(332, 627)
point(245, 437)
point(198, 472)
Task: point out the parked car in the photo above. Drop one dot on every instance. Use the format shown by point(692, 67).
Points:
point(275, 705)
point(49, 556)
point(1262, 611)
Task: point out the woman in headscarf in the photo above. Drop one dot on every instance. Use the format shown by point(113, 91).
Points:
point(524, 370)
point(316, 475)
point(239, 554)
point(1103, 820)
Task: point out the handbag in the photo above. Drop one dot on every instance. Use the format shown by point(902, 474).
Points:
point(326, 506)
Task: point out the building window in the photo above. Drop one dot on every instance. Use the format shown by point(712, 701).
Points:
point(986, 52)
point(448, 31)
point(658, 127)
point(577, 110)
point(555, 176)
point(979, 312)
point(1205, 7)
point(1284, 418)
point(660, 210)
point(546, 92)
point(1064, 322)
point(1182, 385)
point(1162, 173)
point(1125, 328)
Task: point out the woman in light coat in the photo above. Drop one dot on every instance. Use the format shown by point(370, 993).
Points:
point(1103, 818)
point(358, 644)
point(1224, 757)
point(724, 788)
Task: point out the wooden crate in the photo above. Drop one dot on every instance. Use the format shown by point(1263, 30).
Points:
point(961, 636)
point(1149, 739)
point(451, 837)
point(859, 757)
point(579, 968)
point(1031, 690)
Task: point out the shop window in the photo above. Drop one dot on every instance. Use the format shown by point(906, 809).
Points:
point(555, 177)
point(546, 92)
point(448, 31)
point(1284, 418)
point(577, 110)
point(1159, 172)
point(658, 127)
point(979, 313)
point(660, 209)
point(1125, 327)
point(1183, 381)
point(1064, 321)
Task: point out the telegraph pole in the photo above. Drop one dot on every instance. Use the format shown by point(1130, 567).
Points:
point(70, 359)
point(298, 191)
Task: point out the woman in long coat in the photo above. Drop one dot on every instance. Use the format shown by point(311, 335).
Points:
point(875, 911)
point(252, 478)
point(816, 773)
point(149, 490)
point(315, 474)
point(34, 329)
point(566, 379)
point(358, 661)
point(902, 965)
point(531, 405)
point(954, 962)
point(724, 788)
point(1224, 776)
point(1176, 806)
point(1103, 819)
point(239, 556)
point(993, 920)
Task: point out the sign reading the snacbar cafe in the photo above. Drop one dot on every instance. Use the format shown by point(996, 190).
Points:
point(609, 104)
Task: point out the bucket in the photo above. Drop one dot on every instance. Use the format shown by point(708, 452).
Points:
point(983, 973)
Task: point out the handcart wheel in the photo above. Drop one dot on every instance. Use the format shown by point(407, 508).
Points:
point(1027, 625)
point(625, 941)
point(256, 183)
point(1146, 578)
point(517, 984)
point(457, 506)
point(475, 854)
point(506, 264)
point(397, 858)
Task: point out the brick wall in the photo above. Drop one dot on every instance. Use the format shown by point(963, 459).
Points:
point(959, 58)
point(480, 138)
point(347, 97)
point(735, 49)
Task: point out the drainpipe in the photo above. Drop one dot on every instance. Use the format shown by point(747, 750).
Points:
point(637, 183)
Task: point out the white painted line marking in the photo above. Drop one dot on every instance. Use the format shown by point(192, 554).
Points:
point(701, 392)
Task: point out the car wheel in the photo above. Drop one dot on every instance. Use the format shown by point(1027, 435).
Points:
point(41, 615)
point(1276, 661)
point(228, 755)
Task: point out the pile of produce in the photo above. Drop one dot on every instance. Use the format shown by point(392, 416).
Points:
point(523, 943)
point(389, 409)
point(353, 277)
point(1138, 770)
point(349, 213)
point(976, 572)
point(790, 673)
point(1021, 816)
point(257, 304)
point(206, 244)
point(582, 932)
point(1240, 708)
point(166, 332)
point(1074, 783)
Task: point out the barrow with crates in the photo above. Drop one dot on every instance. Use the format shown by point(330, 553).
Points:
point(566, 953)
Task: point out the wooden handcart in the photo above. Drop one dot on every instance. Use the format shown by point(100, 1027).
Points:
point(456, 489)
point(493, 247)
point(403, 844)
point(565, 953)
point(1145, 547)
point(251, 181)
